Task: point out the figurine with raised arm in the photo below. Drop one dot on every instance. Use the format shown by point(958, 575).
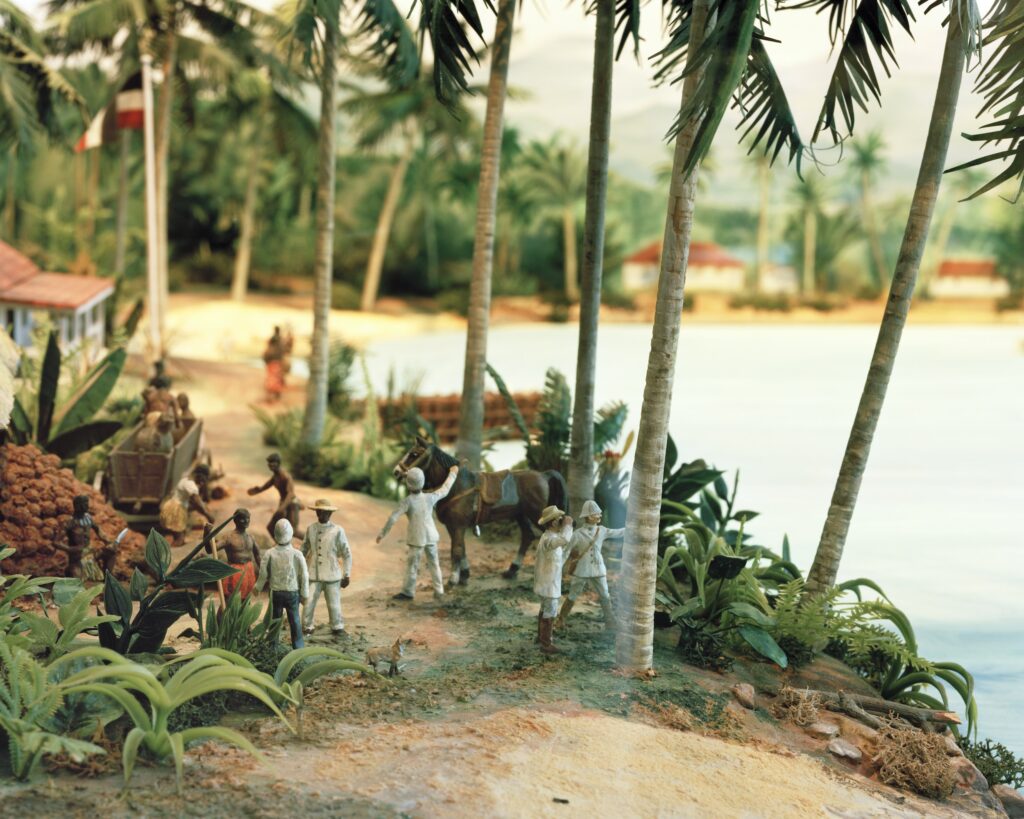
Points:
point(79, 531)
point(288, 506)
point(174, 511)
point(242, 553)
point(323, 545)
point(284, 569)
point(586, 563)
point(422, 535)
point(547, 574)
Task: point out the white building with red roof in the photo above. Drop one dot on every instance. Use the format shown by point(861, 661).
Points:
point(709, 269)
point(75, 304)
point(968, 279)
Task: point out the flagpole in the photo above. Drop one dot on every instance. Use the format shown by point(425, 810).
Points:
point(152, 250)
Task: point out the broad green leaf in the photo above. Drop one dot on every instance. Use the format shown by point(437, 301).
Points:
point(158, 554)
point(201, 571)
point(139, 585)
point(749, 612)
point(49, 380)
point(116, 599)
point(82, 438)
point(763, 643)
point(89, 398)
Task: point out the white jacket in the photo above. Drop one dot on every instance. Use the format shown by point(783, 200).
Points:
point(419, 507)
point(323, 544)
point(592, 562)
point(285, 569)
point(547, 575)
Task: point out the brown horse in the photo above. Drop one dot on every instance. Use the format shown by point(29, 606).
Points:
point(523, 496)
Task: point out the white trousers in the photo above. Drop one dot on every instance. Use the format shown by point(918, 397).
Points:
point(332, 591)
point(549, 607)
point(412, 568)
point(578, 585)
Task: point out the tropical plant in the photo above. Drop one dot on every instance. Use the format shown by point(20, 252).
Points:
point(962, 27)
point(52, 639)
point(14, 587)
point(241, 627)
point(868, 161)
point(159, 609)
point(997, 763)
point(809, 194)
point(28, 701)
point(69, 430)
point(297, 670)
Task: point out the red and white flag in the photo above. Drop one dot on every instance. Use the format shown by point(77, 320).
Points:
point(124, 112)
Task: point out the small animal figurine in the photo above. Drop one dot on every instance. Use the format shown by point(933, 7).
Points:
point(392, 654)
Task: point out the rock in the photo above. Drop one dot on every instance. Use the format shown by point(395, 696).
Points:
point(856, 731)
point(1012, 800)
point(968, 776)
point(952, 749)
point(744, 694)
point(846, 750)
point(825, 730)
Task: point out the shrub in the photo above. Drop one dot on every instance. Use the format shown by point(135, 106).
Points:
point(618, 298)
point(340, 361)
point(344, 296)
point(778, 302)
point(913, 760)
point(998, 764)
point(454, 300)
point(823, 302)
point(1013, 301)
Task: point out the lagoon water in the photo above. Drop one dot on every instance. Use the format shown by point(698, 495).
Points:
point(938, 522)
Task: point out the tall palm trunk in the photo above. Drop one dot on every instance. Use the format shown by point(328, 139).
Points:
point(316, 388)
point(572, 290)
point(634, 644)
point(243, 258)
point(305, 209)
point(764, 180)
point(92, 199)
point(163, 142)
point(375, 264)
point(871, 228)
point(581, 449)
point(121, 216)
point(825, 568)
point(934, 254)
point(471, 418)
point(810, 249)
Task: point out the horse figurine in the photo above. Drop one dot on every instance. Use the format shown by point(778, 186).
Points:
point(482, 497)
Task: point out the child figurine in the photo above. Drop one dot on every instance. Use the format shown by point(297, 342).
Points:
point(284, 568)
point(586, 563)
point(323, 544)
point(547, 582)
point(422, 536)
point(288, 506)
point(81, 562)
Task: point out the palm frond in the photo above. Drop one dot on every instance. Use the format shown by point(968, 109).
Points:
point(445, 23)
point(391, 41)
point(766, 113)
point(627, 25)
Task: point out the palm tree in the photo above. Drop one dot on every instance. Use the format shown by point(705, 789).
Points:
point(809, 194)
point(762, 244)
point(961, 32)
point(316, 28)
point(581, 450)
point(414, 118)
point(471, 418)
point(868, 162)
point(554, 176)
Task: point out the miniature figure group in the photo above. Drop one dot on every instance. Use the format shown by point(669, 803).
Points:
point(167, 417)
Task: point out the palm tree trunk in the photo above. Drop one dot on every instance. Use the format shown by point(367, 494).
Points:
point(316, 387)
point(121, 217)
point(825, 568)
point(92, 199)
point(243, 258)
point(871, 228)
point(305, 209)
point(163, 141)
point(937, 251)
point(375, 264)
point(634, 644)
point(810, 249)
point(471, 418)
point(581, 448)
point(572, 290)
point(11, 204)
point(764, 179)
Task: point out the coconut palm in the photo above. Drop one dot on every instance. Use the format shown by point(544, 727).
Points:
point(962, 30)
point(471, 417)
point(315, 28)
point(809, 194)
point(553, 173)
point(868, 162)
point(762, 244)
point(959, 187)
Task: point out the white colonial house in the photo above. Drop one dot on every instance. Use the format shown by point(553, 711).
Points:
point(709, 269)
point(968, 279)
point(779, 279)
point(75, 304)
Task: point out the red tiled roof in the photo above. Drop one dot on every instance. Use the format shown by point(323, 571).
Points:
point(57, 291)
point(14, 266)
point(701, 253)
point(974, 268)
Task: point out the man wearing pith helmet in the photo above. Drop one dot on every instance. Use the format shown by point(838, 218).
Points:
point(323, 545)
point(586, 563)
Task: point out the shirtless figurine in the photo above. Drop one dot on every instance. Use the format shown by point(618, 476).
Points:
point(81, 562)
point(240, 552)
point(157, 397)
point(288, 507)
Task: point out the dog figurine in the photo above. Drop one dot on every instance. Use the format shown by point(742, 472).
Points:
point(393, 654)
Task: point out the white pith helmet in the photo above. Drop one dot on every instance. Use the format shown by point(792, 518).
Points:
point(590, 509)
point(414, 479)
point(283, 533)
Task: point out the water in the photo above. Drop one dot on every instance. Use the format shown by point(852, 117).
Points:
point(937, 523)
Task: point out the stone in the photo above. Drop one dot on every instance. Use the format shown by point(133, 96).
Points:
point(856, 731)
point(968, 776)
point(847, 750)
point(824, 730)
point(744, 694)
point(1013, 801)
point(952, 749)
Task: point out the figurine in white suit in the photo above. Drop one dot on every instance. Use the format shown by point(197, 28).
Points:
point(547, 573)
point(324, 544)
point(586, 563)
point(422, 536)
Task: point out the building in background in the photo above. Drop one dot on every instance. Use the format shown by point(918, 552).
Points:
point(710, 269)
point(968, 279)
point(779, 279)
point(75, 304)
